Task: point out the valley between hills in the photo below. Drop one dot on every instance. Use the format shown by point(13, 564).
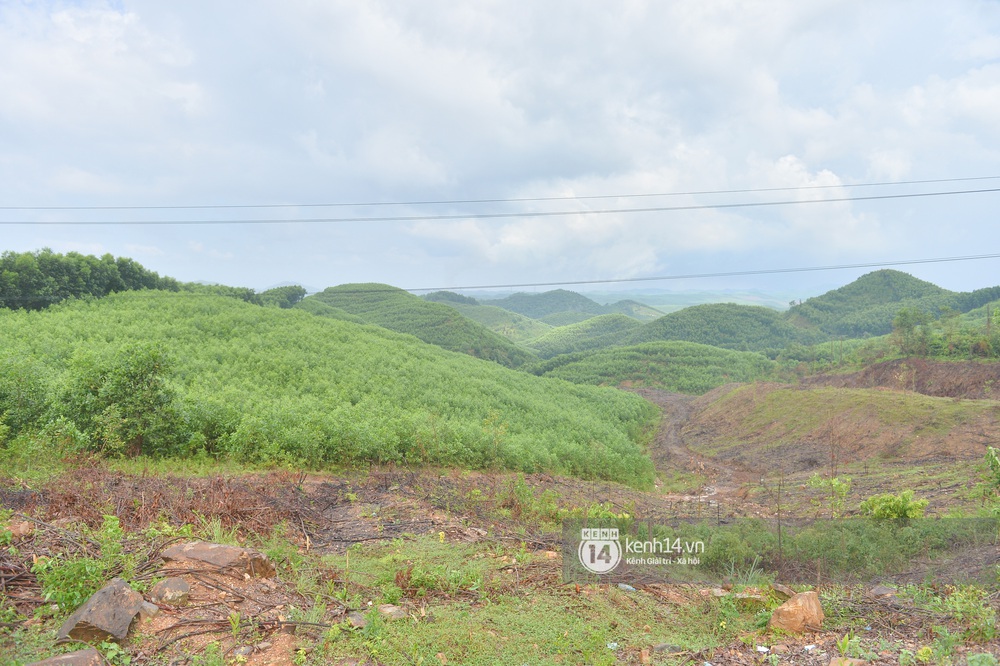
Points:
point(406, 463)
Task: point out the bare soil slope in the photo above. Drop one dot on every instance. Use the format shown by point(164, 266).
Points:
point(948, 379)
point(771, 426)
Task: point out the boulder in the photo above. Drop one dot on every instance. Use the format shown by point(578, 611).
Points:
point(171, 591)
point(108, 613)
point(89, 657)
point(801, 612)
point(233, 559)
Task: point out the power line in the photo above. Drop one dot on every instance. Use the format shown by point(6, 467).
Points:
point(685, 276)
point(468, 216)
point(445, 202)
point(761, 271)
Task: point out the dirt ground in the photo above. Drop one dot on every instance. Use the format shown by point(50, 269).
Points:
point(323, 513)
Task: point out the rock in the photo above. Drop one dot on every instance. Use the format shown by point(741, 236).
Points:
point(357, 620)
point(89, 657)
point(243, 651)
point(234, 559)
point(148, 610)
point(847, 661)
point(392, 612)
point(172, 591)
point(21, 530)
point(881, 592)
point(668, 648)
point(749, 600)
point(108, 613)
point(801, 612)
point(783, 590)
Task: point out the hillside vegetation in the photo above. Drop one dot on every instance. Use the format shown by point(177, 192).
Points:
point(175, 374)
point(560, 307)
point(515, 327)
point(685, 367)
point(434, 323)
point(726, 325)
point(593, 333)
point(868, 305)
point(35, 280)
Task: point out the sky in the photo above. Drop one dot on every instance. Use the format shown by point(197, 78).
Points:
point(207, 112)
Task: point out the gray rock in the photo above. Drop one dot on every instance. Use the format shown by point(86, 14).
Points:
point(79, 658)
point(392, 612)
point(783, 590)
point(667, 648)
point(108, 613)
point(233, 559)
point(172, 591)
point(357, 620)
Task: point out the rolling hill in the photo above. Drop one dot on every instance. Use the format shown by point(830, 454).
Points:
point(181, 374)
point(593, 333)
point(434, 323)
point(725, 325)
point(560, 307)
point(684, 367)
point(868, 305)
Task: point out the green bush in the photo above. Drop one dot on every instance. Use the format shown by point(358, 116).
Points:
point(894, 507)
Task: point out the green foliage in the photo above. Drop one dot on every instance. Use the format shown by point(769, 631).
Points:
point(35, 280)
point(982, 659)
point(123, 400)
point(593, 333)
point(515, 327)
point(218, 377)
point(450, 297)
point(685, 367)
point(282, 297)
point(434, 323)
point(548, 303)
point(993, 461)
point(894, 507)
point(837, 489)
point(911, 332)
point(726, 325)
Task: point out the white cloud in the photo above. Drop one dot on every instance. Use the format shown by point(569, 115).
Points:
point(165, 103)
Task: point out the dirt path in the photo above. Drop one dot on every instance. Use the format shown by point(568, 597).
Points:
point(671, 452)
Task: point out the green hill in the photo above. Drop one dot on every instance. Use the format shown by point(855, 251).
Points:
point(547, 303)
point(516, 328)
point(685, 367)
point(560, 307)
point(868, 305)
point(726, 325)
point(181, 374)
point(435, 323)
point(634, 309)
point(593, 333)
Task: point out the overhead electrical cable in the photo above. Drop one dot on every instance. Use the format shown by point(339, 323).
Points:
point(468, 216)
point(445, 202)
point(692, 276)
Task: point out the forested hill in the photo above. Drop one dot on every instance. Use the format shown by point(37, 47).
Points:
point(726, 325)
point(868, 305)
point(185, 374)
point(35, 280)
point(560, 301)
point(435, 323)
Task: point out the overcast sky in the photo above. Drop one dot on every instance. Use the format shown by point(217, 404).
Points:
point(152, 103)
